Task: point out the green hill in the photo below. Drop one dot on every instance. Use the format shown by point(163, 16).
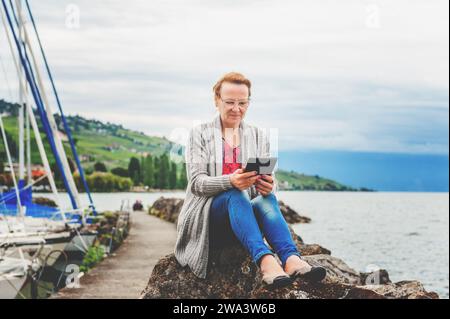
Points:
point(95, 141)
point(114, 145)
point(296, 181)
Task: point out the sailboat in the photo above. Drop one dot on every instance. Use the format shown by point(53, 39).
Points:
point(13, 275)
point(24, 224)
point(16, 271)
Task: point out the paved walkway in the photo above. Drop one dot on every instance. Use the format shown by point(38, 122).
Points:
point(126, 274)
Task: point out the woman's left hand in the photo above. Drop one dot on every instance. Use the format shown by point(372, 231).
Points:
point(264, 184)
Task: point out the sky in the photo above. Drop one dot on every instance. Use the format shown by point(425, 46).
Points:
point(353, 75)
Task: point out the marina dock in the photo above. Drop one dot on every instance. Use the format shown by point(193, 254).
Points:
point(125, 274)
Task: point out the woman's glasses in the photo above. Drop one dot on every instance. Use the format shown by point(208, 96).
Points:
point(229, 103)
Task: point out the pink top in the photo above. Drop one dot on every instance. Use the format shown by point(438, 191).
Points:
point(230, 156)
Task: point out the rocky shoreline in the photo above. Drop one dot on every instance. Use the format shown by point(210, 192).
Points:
point(232, 274)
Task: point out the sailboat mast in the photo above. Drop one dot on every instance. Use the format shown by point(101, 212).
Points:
point(28, 137)
point(25, 92)
point(21, 112)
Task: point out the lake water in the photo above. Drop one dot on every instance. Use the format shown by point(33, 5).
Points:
point(405, 233)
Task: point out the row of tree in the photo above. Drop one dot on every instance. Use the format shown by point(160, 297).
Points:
point(104, 182)
point(151, 171)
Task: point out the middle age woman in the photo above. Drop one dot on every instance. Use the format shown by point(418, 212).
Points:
point(225, 205)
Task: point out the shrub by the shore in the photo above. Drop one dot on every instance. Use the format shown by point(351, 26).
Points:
point(105, 182)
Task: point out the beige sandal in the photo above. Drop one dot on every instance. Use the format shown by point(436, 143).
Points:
point(315, 274)
point(277, 281)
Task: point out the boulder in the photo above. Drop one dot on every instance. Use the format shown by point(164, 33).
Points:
point(44, 201)
point(291, 216)
point(232, 274)
point(167, 208)
point(400, 290)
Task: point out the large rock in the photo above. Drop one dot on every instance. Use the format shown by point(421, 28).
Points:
point(291, 216)
point(232, 274)
point(400, 290)
point(307, 249)
point(44, 201)
point(169, 209)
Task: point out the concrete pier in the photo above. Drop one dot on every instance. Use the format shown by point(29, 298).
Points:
point(125, 274)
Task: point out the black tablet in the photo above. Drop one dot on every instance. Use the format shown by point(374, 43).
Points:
point(262, 165)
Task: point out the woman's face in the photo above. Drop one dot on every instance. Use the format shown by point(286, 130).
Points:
point(233, 103)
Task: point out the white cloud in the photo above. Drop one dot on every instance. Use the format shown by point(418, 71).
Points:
point(359, 75)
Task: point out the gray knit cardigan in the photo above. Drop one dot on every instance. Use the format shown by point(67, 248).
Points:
point(205, 180)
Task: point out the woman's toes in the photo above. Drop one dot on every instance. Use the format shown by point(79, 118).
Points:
point(270, 267)
point(296, 264)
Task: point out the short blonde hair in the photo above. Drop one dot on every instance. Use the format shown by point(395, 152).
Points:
point(232, 77)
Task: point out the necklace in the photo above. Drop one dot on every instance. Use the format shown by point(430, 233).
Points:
point(232, 146)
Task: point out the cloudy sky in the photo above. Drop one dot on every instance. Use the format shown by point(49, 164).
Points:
point(354, 75)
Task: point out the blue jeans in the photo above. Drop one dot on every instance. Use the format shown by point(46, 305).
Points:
point(234, 218)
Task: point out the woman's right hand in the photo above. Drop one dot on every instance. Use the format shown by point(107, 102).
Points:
point(243, 180)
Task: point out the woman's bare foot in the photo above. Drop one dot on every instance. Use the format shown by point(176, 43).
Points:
point(270, 267)
point(294, 263)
